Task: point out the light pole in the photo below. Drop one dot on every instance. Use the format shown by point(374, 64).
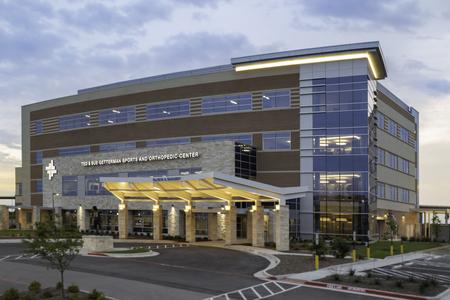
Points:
point(53, 205)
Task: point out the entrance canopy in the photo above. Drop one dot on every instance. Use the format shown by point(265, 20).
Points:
point(205, 187)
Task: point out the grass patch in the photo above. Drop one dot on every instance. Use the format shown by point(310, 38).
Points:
point(14, 233)
point(130, 251)
point(381, 249)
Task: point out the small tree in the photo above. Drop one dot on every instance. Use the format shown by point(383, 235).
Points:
point(341, 247)
point(392, 227)
point(55, 245)
point(436, 222)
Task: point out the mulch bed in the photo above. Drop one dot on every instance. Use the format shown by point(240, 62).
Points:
point(299, 264)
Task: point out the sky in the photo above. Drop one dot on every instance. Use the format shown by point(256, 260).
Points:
point(50, 49)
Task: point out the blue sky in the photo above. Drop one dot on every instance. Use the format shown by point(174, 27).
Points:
point(50, 49)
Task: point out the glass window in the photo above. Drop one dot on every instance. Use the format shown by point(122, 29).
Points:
point(275, 99)
point(392, 127)
point(403, 165)
point(391, 160)
point(19, 189)
point(380, 120)
point(381, 190)
point(404, 134)
point(69, 185)
point(167, 142)
point(391, 192)
point(39, 127)
point(74, 121)
point(277, 141)
point(239, 138)
point(74, 151)
point(380, 156)
point(38, 157)
point(37, 186)
point(167, 110)
point(404, 195)
point(93, 185)
point(227, 103)
point(117, 115)
point(117, 147)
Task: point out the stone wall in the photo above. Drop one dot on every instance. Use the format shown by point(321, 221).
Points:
point(213, 156)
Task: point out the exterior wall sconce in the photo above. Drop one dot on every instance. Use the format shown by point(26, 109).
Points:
point(187, 208)
point(277, 207)
point(227, 207)
point(155, 207)
point(122, 206)
point(253, 208)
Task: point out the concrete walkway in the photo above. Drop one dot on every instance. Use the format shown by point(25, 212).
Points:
point(20, 275)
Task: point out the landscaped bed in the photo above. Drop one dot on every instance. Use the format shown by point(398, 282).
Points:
point(14, 233)
point(407, 286)
point(130, 251)
point(381, 249)
point(298, 264)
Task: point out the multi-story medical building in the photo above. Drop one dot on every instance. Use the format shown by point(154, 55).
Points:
point(267, 148)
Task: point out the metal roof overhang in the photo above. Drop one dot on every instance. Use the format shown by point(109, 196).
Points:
point(205, 187)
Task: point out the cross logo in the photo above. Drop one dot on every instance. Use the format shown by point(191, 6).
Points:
point(51, 170)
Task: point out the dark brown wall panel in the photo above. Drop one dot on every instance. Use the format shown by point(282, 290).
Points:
point(49, 153)
point(36, 172)
point(278, 161)
point(279, 179)
point(36, 199)
point(191, 91)
point(286, 119)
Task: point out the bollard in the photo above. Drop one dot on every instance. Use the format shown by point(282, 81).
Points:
point(368, 252)
point(392, 250)
point(316, 262)
point(401, 248)
point(354, 255)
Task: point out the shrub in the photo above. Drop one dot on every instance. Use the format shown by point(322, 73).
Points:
point(341, 247)
point(336, 277)
point(424, 285)
point(27, 297)
point(73, 289)
point(59, 285)
point(74, 297)
point(35, 287)
point(369, 274)
point(411, 279)
point(11, 294)
point(96, 295)
point(357, 280)
point(351, 272)
point(319, 249)
point(433, 282)
point(47, 294)
point(377, 281)
point(399, 284)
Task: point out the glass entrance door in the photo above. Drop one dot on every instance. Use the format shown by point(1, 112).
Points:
point(241, 226)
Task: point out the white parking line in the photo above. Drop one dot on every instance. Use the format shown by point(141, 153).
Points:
point(4, 258)
point(258, 295)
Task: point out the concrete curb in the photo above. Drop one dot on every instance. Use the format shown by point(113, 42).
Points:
point(10, 241)
point(357, 290)
point(132, 255)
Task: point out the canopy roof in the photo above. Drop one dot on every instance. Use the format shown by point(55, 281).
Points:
point(209, 187)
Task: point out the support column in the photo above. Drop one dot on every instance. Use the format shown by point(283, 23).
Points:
point(81, 219)
point(230, 225)
point(123, 221)
point(4, 217)
point(258, 225)
point(212, 226)
point(190, 226)
point(157, 222)
point(174, 221)
point(282, 228)
point(36, 216)
point(22, 218)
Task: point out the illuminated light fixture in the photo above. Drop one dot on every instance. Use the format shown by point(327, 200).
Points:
point(288, 141)
point(253, 208)
point(155, 207)
point(233, 102)
point(87, 116)
point(341, 219)
point(324, 181)
point(308, 60)
point(165, 112)
point(187, 208)
point(341, 144)
point(265, 97)
point(116, 111)
point(122, 206)
point(277, 207)
point(110, 121)
point(88, 124)
point(227, 207)
point(325, 219)
point(341, 181)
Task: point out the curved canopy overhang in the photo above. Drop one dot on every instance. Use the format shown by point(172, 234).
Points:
point(204, 187)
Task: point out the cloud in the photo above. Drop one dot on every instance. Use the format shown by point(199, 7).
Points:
point(105, 18)
point(440, 86)
point(353, 14)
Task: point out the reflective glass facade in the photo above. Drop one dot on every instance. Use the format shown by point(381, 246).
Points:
point(240, 138)
point(276, 99)
point(227, 103)
point(167, 110)
point(336, 149)
point(74, 121)
point(117, 115)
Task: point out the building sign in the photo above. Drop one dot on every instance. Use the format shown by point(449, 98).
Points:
point(51, 170)
point(139, 159)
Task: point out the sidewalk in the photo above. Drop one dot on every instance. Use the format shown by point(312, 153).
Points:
point(20, 275)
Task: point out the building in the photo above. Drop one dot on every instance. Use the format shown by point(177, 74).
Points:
point(271, 146)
